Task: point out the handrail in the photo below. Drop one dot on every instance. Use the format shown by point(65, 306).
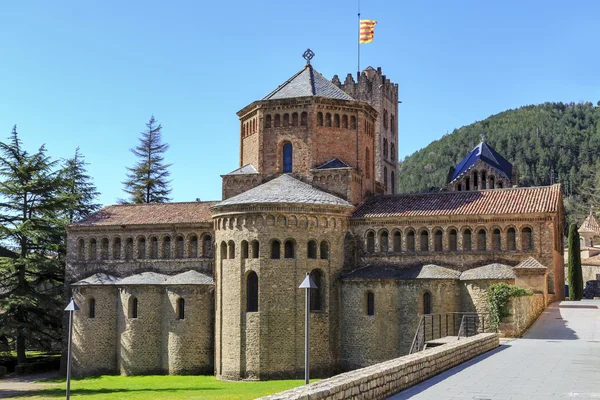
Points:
point(414, 342)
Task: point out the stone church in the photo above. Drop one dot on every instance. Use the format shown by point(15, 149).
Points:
point(212, 287)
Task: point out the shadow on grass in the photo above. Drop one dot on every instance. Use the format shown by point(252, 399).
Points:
point(60, 392)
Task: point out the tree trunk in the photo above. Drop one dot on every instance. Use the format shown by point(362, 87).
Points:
point(21, 355)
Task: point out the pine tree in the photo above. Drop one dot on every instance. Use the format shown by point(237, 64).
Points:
point(31, 282)
point(79, 189)
point(574, 273)
point(147, 180)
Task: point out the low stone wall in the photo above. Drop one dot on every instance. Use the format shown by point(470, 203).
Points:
point(524, 311)
point(385, 379)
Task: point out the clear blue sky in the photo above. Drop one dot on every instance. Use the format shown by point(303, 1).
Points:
point(91, 73)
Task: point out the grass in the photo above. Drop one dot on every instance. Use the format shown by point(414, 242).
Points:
point(159, 387)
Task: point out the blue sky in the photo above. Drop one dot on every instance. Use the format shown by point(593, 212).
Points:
point(91, 73)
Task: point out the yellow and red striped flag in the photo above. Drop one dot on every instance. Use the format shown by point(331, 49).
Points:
point(367, 30)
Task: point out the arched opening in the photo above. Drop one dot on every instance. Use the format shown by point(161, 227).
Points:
point(153, 247)
point(328, 120)
point(397, 242)
point(427, 309)
point(104, 249)
point(483, 180)
point(141, 248)
point(319, 119)
point(268, 121)
point(287, 157)
point(252, 292)
point(255, 249)
point(91, 307)
point(231, 250)
point(116, 248)
point(324, 250)
point(179, 241)
point(475, 180)
point(459, 187)
point(491, 182)
point(193, 247)
point(317, 296)
point(392, 124)
point(180, 308)
point(336, 121)
point(129, 249)
point(437, 240)
point(275, 250)
point(481, 240)
point(277, 123)
point(410, 241)
point(345, 121)
point(385, 178)
point(311, 250)
point(467, 240)
point(223, 251)
point(467, 184)
point(80, 250)
point(295, 119)
point(511, 242)
point(288, 249)
point(392, 151)
point(499, 184)
point(304, 118)
point(424, 239)
point(133, 307)
point(370, 303)
point(353, 122)
point(385, 118)
point(166, 248)
point(526, 239)
point(367, 164)
point(385, 148)
point(207, 246)
point(393, 180)
point(244, 249)
point(371, 242)
point(286, 120)
point(496, 242)
point(383, 242)
point(452, 240)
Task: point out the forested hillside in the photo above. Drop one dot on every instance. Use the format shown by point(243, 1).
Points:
point(550, 143)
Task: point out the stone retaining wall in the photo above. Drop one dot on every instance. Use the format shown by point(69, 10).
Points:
point(524, 311)
point(385, 379)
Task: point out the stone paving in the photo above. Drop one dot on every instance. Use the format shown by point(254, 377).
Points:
point(557, 358)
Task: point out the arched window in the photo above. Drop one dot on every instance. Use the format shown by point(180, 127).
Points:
point(437, 241)
point(80, 250)
point(385, 181)
point(511, 242)
point(324, 250)
point(410, 241)
point(392, 151)
point(496, 242)
point(303, 118)
point(483, 182)
point(223, 251)
point(345, 121)
point(116, 248)
point(277, 123)
point(393, 180)
point(467, 184)
point(166, 249)
point(104, 249)
point(371, 242)
point(385, 118)
point(231, 250)
point(452, 240)
point(179, 246)
point(492, 182)
point(383, 242)
point(255, 249)
point(311, 250)
point(397, 242)
point(319, 119)
point(180, 308)
point(328, 119)
point(244, 249)
point(367, 164)
point(317, 296)
point(424, 241)
point(252, 292)
point(392, 124)
point(295, 119)
point(141, 248)
point(207, 246)
point(427, 309)
point(481, 240)
point(336, 121)
point(287, 157)
point(467, 239)
point(154, 247)
point(475, 180)
point(370, 303)
point(268, 121)
point(459, 187)
point(499, 184)
point(193, 247)
point(129, 249)
point(353, 122)
point(385, 148)
point(93, 249)
point(526, 239)
point(286, 120)
point(288, 249)
point(91, 307)
point(275, 250)
point(133, 307)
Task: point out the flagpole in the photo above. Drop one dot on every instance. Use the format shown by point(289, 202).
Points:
point(358, 46)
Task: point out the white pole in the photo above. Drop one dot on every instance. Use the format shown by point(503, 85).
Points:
point(69, 355)
point(306, 341)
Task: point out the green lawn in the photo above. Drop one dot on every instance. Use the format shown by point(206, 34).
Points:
point(160, 387)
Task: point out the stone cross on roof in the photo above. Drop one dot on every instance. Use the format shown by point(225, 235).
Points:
point(308, 55)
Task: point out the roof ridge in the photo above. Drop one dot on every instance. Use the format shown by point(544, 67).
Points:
point(466, 191)
point(166, 203)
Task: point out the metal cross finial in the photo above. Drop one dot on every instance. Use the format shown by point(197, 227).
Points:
point(483, 136)
point(308, 55)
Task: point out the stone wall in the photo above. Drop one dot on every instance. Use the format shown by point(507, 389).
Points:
point(524, 311)
point(383, 380)
point(474, 294)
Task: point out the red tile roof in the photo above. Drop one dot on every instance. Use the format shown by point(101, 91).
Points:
point(529, 200)
point(149, 214)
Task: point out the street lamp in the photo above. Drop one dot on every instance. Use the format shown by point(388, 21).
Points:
point(70, 308)
point(307, 284)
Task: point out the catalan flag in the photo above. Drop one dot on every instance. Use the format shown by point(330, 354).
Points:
point(367, 30)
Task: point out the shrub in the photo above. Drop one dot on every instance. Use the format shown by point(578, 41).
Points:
point(498, 296)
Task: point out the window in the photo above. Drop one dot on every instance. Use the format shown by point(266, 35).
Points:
point(367, 164)
point(437, 241)
point(324, 250)
point(104, 249)
point(511, 242)
point(141, 248)
point(526, 239)
point(268, 121)
point(93, 249)
point(91, 307)
point(288, 249)
point(370, 303)
point(353, 122)
point(317, 296)
point(193, 247)
point(452, 240)
point(424, 241)
point(133, 307)
point(385, 118)
point(491, 182)
point(179, 246)
point(410, 241)
point(319, 119)
point(303, 118)
point(328, 119)
point(223, 251)
point(481, 240)
point(286, 120)
point(496, 243)
point(252, 292)
point(231, 250)
point(180, 308)
point(385, 181)
point(345, 121)
point(392, 151)
point(244, 249)
point(385, 148)
point(116, 248)
point(154, 247)
point(129, 249)
point(393, 179)
point(166, 248)
point(81, 250)
point(275, 250)
point(383, 242)
point(287, 157)
point(467, 240)
point(311, 250)
point(371, 242)
point(336, 121)
point(483, 182)
point(393, 124)
point(499, 184)
point(459, 187)
point(295, 119)
point(475, 180)
point(277, 123)
point(397, 242)
point(467, 184)
point(255, 249)
point(427, 303)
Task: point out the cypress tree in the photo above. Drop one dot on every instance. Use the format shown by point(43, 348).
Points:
point(147, 180)
point(574, 273)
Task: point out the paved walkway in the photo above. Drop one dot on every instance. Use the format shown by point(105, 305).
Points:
point(22, 384)
point(558, 358)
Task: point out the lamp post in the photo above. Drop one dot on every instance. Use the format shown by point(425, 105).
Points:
point(307, 284)
point(70, 308)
